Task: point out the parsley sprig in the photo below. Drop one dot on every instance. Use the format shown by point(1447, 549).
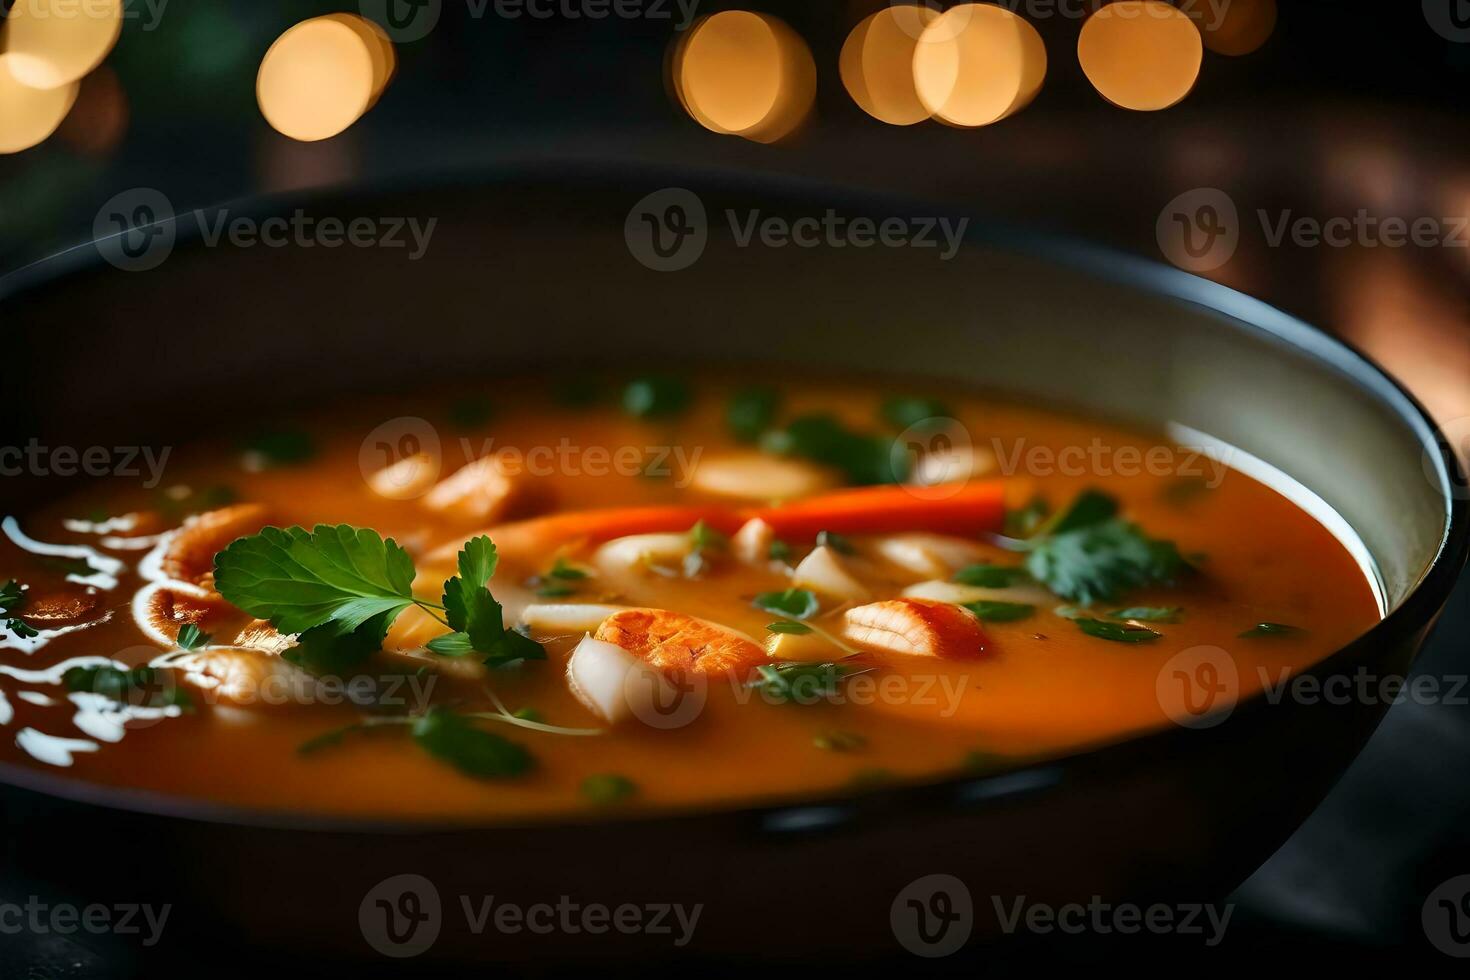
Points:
point(1089, 554)
point(339, 588)
point(12, 600)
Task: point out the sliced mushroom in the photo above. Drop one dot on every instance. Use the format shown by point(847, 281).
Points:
point(673, 641)
point(953, 592)
point(615, 684)
point(567, 617)
point(917, 627)
point(932, 555)
point(756, 476)
point(953, 466)
point(189, 556)
point(482, 491)
point(823, 571)
point(752, 543)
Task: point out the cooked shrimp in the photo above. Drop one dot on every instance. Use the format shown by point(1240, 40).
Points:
point(917, 626)
point(674, 641)
point(190, 553)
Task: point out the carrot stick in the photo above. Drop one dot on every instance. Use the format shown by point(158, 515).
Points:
point(543, 535)
point(968, 508)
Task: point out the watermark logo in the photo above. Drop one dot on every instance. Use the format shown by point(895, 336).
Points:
point(1199, 687)
point(135, 230)
point(1199, 230)
point(933, 916)
point(401, 459)
point(401, 916)
point(667, 231)
point(1449, 18)
point(405, 21)
point(939, 452)
point(666, 700)
point(1446, 917)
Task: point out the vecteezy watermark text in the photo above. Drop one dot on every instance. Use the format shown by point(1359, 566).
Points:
point(669, 230)
point(35, 459)
point(1201, 230)
point(39, 918)
point(137, 230)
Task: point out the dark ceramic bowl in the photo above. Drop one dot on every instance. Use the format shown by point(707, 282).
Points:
point(534, 271)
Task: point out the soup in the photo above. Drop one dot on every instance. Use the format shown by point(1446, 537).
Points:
point(674, 593)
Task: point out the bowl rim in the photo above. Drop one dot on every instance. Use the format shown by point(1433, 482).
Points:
point(788, 815)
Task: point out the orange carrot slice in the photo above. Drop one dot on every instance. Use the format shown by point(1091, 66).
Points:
point(969, 509)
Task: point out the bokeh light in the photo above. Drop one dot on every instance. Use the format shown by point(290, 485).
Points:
point(744, 74)
point(1141, 54)
point(29, 115)
point(52, 43)
point(977, 64)
point(1239, 27)
point(318, 79)
point(379, 47)
point(877, 64)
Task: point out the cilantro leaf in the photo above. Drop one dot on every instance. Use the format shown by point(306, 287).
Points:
point(191, 637)
point(800, 683)
point(1000, 612)
point(988, 576)
point(1088, 554)
point(1117, 632)
point(656, 397)
point(477, 619)
point(793, 603)
point(864, 459)
point(325, 652)
point(751, 412)
point(339, 577)
point(12, 600)
point(1148, 614)
point(904, 412)
point(453, 739)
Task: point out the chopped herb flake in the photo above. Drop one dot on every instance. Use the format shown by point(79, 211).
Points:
point(1116, 632)
point(1000, 612)
point(793, 603)
point(751, 412)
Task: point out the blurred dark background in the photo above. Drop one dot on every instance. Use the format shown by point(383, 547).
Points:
point(1349, 105)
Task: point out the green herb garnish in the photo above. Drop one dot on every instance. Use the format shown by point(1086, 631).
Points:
point(1026, 521)
point(792, 603)
point(608, 789)
point(191, 637)
point(865, 460)
point(453, 739)
point(1149, 614)
point(751, 412)
point(990, 611)
point(779, 551)
point(12, 600)
point(703, 539)
point(1116, 632)
point(906, 412)
point(1088, 554)
point(800, 683)
point(656, 397)
point(835, 541)
point(1272, 630)
point(141, 687)
point(988, 576)
point(281, 447)
point(341, 587)
point(790, 628)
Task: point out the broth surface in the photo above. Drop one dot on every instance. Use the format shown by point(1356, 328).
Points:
point(1041, 686)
